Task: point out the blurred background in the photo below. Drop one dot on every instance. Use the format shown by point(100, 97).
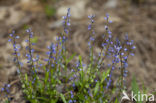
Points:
point(135, 17)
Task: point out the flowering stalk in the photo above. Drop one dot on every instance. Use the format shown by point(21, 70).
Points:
point(91, 38)
point(66, 25)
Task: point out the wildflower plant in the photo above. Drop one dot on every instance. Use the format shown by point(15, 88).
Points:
point(81, 83)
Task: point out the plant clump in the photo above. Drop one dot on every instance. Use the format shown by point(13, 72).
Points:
point(81, 83)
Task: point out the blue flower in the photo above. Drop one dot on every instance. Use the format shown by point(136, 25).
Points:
point(46, 60)
point(113, 67)
point(89, 27)
point(110, 36)
point(52, 65)
point(32, 50)
point(9, 40)
point(66, 21)
point(68, 13)
point(21, 64)
point(11, 35)
point(73, 85)
point(17, 37)
point(104, 44)
point(110, 21)
point(48, 53)
point(132, 54)
point(40, 65)
point(70, 101)
point(133, 47)
point(92, 39)
point(109, 32)
point(64, 17)
point(8, 85)
point(71, 94)
point(2, 89)
point(107, 16)
point(122, 54)
point(106, 27)
point(28, 30)
point(125, 49)
point(91, 17)
point(126, 36)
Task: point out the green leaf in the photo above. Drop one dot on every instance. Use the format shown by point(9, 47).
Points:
point(80, 60)
point(25, 26)
point(44, 99)
point(96, 88)
point(81, 71)
point(154, 93)
point(70, 58)
point(6, 101)
point(116, 100)
point(87, 85)
point(81, 96)
point(135, 88)
point(46, 77)
point(44, 68)
point(104, 75)
point(63, 98)
point(34, 39)
point(144, 89)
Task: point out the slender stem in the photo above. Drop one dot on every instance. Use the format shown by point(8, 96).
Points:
point(32, 63)
point(122, 74)
point(18, 64)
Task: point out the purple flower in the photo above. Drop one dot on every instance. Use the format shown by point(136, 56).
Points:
point(109, 32)
point(64, 17)
point(89, 27)
point(122, 54)
point(91, 17)
point(107, 16)
point(126, 36)
point(113, 67)
point(125, 49)
point(73, 84)
point(125, 57)
point(48, 53)
point(17, 37)
point(11, 35)
point(9, 40)
point(46, 60)
point(66, 21)
point(132, 54)
point(8, 85)
point(106, 27)
point(27, 30)
point(92, 39)
point(70, 101)
point(110, 21)
point(40, 65)
point(52, 65)
point(32, 50)
point(110, 36)
point(133, 47)
point(68, 13)
point(104, 44)
point(71, 93)
point(2, 89)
